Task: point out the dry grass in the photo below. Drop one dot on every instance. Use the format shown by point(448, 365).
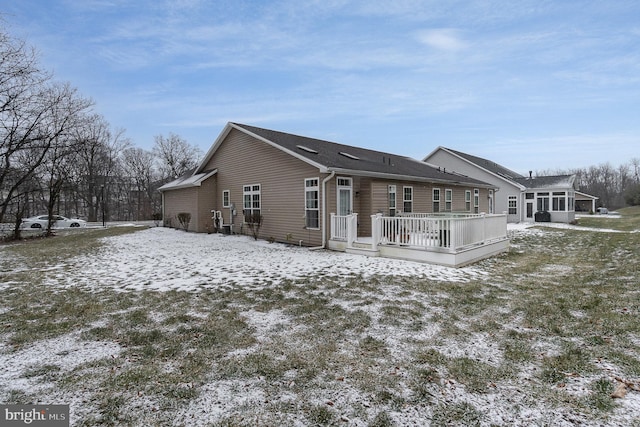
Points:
point(539, 340)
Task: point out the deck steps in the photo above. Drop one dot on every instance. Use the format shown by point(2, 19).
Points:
point(362, 248)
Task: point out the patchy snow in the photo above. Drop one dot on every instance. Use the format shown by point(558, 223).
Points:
point(162, 259)
point(62, 353)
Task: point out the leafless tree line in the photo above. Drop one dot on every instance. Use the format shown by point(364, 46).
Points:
point(615, 187)
point(57, 156)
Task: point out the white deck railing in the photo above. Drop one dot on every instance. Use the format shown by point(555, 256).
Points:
point(450, 233)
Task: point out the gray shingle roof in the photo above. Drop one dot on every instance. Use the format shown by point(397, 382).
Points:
point(488, 165)
point(546, 181)
point(340, 157)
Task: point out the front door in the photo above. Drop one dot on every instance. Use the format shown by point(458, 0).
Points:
point(345, 200)
point(529, 211)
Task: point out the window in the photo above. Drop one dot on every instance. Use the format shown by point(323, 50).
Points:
point(344, 182)
point(436, 200)
point(407, 199)
point(513, 205)
point(226, 199)
point(467, 200)
point(448, 199)
point(476, 200)
point(572, 201)
point(558, 201)
point(311, 205)
point(528, 196)
point(543, 202)
point(251, 203)
point(392, 200)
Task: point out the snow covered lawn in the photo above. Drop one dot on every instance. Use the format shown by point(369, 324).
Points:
point(163, 327)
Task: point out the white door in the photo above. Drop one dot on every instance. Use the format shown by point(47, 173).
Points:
point(345, 202)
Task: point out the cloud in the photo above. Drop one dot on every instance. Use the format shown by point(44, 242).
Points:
point(444, 39)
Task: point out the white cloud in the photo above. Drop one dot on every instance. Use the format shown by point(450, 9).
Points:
point(446, 39)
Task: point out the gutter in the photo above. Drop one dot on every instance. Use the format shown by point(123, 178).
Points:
point(324, 211)
point(383, 175)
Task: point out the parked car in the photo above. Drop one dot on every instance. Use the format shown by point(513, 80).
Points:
point(602, 211)
point(58, 222)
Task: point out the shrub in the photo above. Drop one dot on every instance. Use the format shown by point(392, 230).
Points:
point(184, 218)
point(254, 221)
point(157, 217)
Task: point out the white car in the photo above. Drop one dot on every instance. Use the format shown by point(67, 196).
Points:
point(42, 221)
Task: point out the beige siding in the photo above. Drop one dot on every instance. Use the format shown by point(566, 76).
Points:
point(198, 201)
point(243, 160)
point(181, 200)
point(207, 197)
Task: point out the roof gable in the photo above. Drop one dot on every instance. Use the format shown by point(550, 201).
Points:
point(486, 164)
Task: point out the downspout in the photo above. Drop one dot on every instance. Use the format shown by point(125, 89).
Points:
point(324, 211)
point(162, 193)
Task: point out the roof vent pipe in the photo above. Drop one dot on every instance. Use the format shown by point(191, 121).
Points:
point(530, 174)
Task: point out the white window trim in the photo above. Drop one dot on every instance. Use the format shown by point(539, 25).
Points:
point(476, 200)
point(393, 208)
point(404, 200)
point(251, 192)
point(228, 198)
point(315, 188)
point(434, 200)
point(448, 199)
point(513, 199)
point(348, 186)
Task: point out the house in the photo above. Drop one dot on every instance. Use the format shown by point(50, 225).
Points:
point(316, 193)
point(523, 198)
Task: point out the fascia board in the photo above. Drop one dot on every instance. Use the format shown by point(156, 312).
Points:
point(214, 148)
point(587, 195)
point(407, 177)
point(196, 183)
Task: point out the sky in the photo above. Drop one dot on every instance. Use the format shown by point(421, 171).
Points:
point(532, 85)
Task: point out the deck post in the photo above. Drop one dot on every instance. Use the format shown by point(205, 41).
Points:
point(333, 225)
point(352, 229)
point(484, 228)
point(453, 241)
point(376, 230)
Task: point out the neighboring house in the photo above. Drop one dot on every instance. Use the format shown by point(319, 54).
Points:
point(303, 190)
point(586, 202)
point(521, 197)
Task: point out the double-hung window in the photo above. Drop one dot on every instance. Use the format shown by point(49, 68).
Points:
point(311, 203)
point(251, 203)
point(407, 199)
point(226, 198)
point(467, 200)
point(448, 199)
point(392, 200)
point(513, 205)
point(436, 200)
point(476, 200)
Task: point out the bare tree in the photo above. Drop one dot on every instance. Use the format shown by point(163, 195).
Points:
point(35, 115)
point(175, 155)
point(22, 83)
point(98, 150)
point(138, 166)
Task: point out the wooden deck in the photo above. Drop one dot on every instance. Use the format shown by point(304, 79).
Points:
point(451, 240)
